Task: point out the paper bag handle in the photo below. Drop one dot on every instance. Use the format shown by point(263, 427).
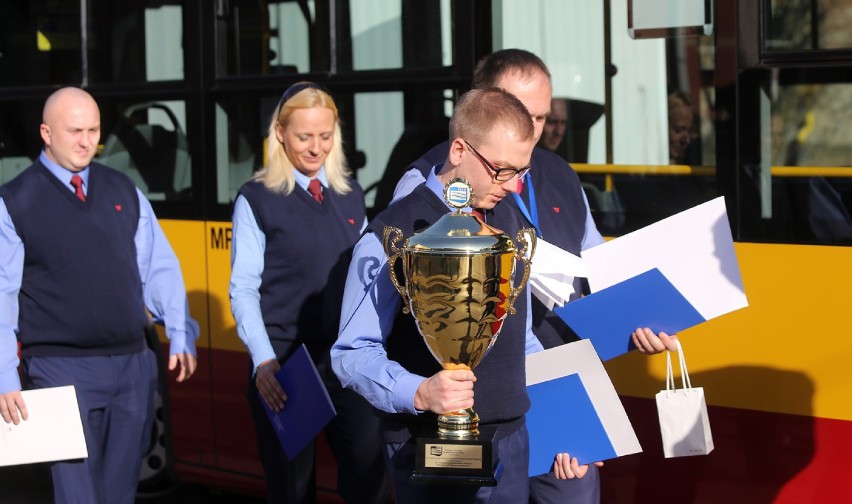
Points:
point(684, 374)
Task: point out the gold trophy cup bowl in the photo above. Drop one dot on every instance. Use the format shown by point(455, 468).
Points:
point(458, 285)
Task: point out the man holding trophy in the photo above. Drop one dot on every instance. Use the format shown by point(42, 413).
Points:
point(526, 76)
point(386, 355)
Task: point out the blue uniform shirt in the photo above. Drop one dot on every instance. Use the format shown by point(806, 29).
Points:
point(162, 282)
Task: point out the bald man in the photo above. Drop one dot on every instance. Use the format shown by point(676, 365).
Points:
point(81, 257)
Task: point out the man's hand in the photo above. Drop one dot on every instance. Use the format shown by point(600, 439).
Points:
point(188, 363)
point(565, 467)
point(267, 385)
point(649, 343)
point(10, 405)
point(445, 391)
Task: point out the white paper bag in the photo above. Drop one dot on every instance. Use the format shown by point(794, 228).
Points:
point(684, 424)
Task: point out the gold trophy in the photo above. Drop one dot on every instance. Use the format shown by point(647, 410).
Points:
point(459, 287)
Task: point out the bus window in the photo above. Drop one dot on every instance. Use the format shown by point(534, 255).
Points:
point(803, 184)
point(241, 129)
point(20, 142)
point(148, 143)
point(637, 114)
point(808, 25)
point(383, 37)
point(40, 42)
point(135, 41)
point(265, 38)
point(283, 37)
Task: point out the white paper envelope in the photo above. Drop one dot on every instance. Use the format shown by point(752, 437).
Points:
point(551, 292)
point(557, 263)
point(552, 274)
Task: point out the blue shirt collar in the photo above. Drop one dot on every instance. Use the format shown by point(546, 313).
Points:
point(303, 180)
point(434, 184)
point(64, 175)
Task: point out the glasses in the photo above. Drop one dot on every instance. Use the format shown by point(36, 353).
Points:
point(500, 174)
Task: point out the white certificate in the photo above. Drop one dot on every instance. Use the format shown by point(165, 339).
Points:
point(693, 249)
point(53, 430)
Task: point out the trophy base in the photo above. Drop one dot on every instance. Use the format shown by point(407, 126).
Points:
point(442, 460)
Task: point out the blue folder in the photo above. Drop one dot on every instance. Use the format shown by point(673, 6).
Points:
point(308, 408)
point(562, 419)
point(608, 317)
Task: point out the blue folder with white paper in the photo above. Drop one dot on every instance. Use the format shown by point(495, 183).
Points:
point(668, 276)
point(574, 409)
point(308, 407)
point(646, 300)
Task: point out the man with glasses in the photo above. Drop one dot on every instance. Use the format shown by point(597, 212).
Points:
point(551, 199)
point(381, 355)
point(500, 174)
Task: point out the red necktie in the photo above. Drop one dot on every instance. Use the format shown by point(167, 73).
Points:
point(77, 182)
point(316, 190)
point(479, 213)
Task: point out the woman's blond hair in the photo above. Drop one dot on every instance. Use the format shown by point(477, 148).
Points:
point(278, 174)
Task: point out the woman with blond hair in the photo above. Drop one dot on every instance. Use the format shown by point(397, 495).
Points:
point(681, 115)
point(294, 225)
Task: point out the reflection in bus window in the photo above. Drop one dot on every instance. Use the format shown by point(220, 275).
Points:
point(239, 142)
point(282, 37)
point(376, 40)
point(809, 128)
point(148, 143)
point(40, 42)
point(266, 38)
point(20, 142)
point(791, 25)
point(135, 41)
point(632, 89)
point(811, 125)
point(682, 130)
point(389, 34)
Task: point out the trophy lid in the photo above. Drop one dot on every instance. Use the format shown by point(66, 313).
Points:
point(459, 232)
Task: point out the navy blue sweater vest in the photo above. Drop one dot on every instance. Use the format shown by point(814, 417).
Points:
point(561, 220)
point(307, 255)
point(81, 293)
point(500, 391)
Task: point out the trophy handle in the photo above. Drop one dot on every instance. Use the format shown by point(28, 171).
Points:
point(527, 238)
point(391, 237)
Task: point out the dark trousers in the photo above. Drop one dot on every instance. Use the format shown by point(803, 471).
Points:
point(116, 399)
point(512, 487)
point(546, 489)
point(355, 441)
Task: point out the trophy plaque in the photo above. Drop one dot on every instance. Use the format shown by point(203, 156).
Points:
point(458, 285)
